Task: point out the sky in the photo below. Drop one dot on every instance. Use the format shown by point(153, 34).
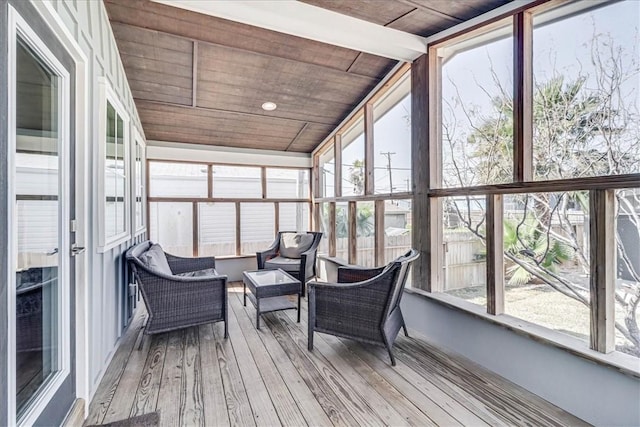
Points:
point(392, 134)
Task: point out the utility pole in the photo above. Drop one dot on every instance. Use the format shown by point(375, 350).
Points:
point(388, 155)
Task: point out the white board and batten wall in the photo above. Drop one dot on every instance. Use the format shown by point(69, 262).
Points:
point(103, 285)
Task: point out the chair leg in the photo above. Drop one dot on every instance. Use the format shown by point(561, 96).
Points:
point(141, 343)
point(389, 344)
point(142, 334)
point(404, 325)
point(310, 340)
point(393, 359)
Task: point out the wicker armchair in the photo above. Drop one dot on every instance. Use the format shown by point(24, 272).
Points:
point(364, 305)
point(191, 293)
point(301, 264)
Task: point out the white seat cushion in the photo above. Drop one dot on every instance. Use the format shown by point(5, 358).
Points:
point(208, 272)
point(155, 259)
point(290, 265)
point(292, 245)
point(286, 264)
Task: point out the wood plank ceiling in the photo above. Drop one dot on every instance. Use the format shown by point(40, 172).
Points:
point(200, 79)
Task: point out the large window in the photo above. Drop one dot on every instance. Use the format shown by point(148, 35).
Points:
point(257, 226)
point(477, 109)
point(171, 224)
point(627, 278)
point(516, 221)
point(464, 248)
point(216, 229)
point(177, 179)
point(392, 140)
point(586, 91)
point(367, 219)
point(546, 260)
point(365, 234)
point(353, 172)
point(115, 160)
point(293, 216)
point(327, 173)
point(287, 183)
point(397, 228)
point(139, 182)
point(237, 181)
point(342, 230)
point(205, 209)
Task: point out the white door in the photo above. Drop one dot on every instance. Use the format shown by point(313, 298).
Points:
point(41, 282)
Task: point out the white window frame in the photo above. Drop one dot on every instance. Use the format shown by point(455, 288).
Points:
point(138, 140)
point(18, 26)
point(107, 94)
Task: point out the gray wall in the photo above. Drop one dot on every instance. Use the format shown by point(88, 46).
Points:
point(233, 267)
point(598, 394)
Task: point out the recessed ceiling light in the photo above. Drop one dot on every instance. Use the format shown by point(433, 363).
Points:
point(269, 106)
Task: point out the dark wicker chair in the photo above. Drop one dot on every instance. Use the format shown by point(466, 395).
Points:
point(364, 305)
point(302, 267)
point(193, 294)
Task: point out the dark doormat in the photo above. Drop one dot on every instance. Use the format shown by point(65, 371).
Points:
point(146, 420)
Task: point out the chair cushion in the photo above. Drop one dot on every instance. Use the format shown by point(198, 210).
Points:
point(200, 273)
point(286, 264)
point(155, 259)
point(292, 245)
point(290, 265)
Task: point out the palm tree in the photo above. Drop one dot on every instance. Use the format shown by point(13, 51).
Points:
point(578, 131)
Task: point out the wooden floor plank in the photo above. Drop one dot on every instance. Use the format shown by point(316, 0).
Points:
point(484, 378)
point(303, 395)
point(238, 406)
point(384, 409)
point(497, 401)
point(262, 407)
point(191, 410)
point(124, 396)
point(107, 388)
point(169, 395)
point(334, 349)
point(469, 410)
point(327, 398)
point(146, 397)
point(357, 406)
point(213, 401)
point(412, 391)
point(268, 377)
point(282, 400)
point(441, 408)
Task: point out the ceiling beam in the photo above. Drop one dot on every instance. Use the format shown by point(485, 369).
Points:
point(314, 23)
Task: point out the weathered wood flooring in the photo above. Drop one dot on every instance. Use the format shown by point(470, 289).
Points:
point(194, 377)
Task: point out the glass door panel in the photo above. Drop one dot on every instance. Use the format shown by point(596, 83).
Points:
point(37, 227)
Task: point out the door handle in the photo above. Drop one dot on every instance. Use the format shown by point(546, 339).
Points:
point(53, 252)
point(77, 250)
